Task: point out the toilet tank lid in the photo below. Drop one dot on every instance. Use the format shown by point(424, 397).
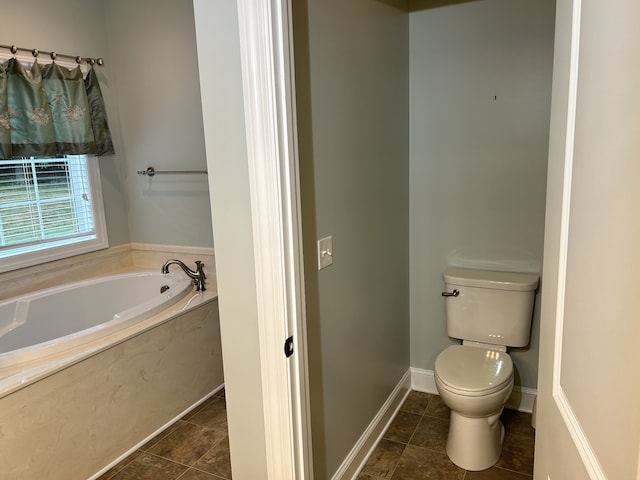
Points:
point(471, 277)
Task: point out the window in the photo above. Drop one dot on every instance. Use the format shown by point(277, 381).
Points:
point(49, 209)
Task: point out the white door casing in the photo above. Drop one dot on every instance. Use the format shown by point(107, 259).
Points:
point(266, 48)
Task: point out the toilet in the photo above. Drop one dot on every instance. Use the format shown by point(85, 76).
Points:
point(488, 311)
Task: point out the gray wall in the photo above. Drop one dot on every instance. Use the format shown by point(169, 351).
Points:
point(76, 27)
point(152, 94)
point(223, 109)
point(480, 96)
point(153, 51)
point(352, 86)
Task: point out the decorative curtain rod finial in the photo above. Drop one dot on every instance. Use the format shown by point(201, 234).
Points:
point(35, 52)
point(14, 49)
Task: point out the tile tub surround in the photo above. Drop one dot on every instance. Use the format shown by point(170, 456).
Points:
point(413, 447)
point(73, 423)
point(194, 448)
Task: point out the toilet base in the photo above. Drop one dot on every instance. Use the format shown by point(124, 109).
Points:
point(475, 443)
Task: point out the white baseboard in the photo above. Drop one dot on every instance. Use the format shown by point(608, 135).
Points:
point(521, 398)
point(423, 381)
point(363, 448)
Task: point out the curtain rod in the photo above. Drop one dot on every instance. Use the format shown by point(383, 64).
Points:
point(35, 52)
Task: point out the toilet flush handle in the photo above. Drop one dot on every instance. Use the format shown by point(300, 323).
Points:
point(455, 293)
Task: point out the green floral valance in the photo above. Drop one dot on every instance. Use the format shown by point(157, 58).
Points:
point(51, 111)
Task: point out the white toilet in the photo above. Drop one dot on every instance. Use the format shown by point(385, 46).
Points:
point(488, 311)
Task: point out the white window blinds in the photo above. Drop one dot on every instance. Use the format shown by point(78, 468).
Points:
point(45, 204)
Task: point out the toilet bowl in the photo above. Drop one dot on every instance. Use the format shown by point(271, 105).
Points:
point(488, 311)
point(475, 383)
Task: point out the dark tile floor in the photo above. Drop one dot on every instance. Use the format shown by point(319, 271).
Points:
point(194, 448)
point(413, 447)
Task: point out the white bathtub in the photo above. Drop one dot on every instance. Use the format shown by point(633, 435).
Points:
point(56, 319)
point(131, 363)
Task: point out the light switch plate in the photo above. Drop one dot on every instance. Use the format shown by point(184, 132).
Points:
point(325, 252)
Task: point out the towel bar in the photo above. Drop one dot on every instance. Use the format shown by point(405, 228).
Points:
point(150, 171)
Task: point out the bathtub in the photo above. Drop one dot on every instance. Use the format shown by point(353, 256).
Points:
point(89, 371)
point(53, 320)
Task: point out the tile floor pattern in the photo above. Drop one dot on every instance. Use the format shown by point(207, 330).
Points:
point(196, 447)
point(413, 447)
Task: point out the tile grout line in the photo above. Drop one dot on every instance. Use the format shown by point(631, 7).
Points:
point(398, 462)
point(410, 437)
point(146, 448)
point(201, 457)
point(189, 467)
point(212, 475)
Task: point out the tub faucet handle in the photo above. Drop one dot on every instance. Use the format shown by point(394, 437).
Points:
point(200, 269)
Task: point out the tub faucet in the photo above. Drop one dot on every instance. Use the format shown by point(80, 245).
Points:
point(196, 275)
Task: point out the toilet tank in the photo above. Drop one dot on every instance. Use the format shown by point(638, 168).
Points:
point(492, 307)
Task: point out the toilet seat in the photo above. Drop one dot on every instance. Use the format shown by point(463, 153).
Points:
point(472, 371)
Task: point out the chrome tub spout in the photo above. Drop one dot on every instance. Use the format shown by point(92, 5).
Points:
point(196, 275)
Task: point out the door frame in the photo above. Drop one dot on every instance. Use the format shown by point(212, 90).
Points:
point(266, 47)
